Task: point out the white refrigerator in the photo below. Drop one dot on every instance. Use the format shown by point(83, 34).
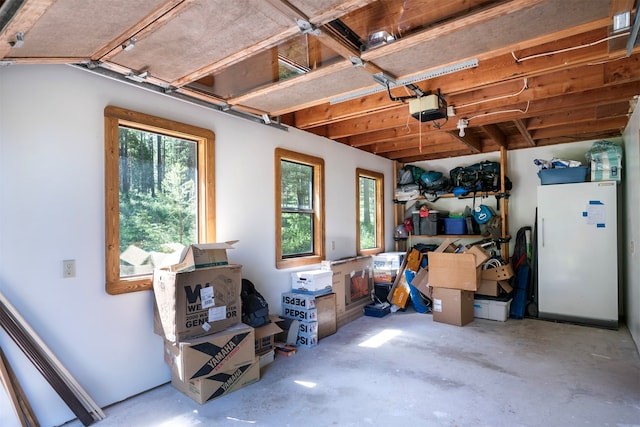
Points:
point(578, 265)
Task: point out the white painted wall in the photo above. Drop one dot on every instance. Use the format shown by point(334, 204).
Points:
point(52, 208)
point(631, 177)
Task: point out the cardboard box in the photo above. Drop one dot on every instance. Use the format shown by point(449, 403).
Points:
point(199, 302)
point(327, 317)
point(399, 294)
point(452, 306)
point(308, 328)
point(388, 261)
point(446, 246)
point(265, 337)
point(384, 276)
point(481, 255)
point(267, 358)
point(204, 356)
point(294, 299)
point(343, 271)
point(313, 280)
point(454, 271)
point(491, 309)
point(220, 384)
point(495, 279)
point(307, 340)
point(421, 282)
point(290, 312)
point(203, 255)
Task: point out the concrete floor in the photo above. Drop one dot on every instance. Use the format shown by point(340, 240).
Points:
point(487, 373)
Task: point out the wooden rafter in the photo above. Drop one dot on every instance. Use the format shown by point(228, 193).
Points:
point(522, 128)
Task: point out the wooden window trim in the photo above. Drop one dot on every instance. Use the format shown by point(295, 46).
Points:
point(318, 203)
point(379, 178)
point(114, 117)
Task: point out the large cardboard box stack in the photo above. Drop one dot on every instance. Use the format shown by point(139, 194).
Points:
point(455, 276)
point(198, 308)
point(352, 282)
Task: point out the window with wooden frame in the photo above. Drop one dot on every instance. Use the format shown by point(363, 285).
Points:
point(369, 212)
point(299, 202)
point(159, 194)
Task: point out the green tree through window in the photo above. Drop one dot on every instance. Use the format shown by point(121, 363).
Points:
point(159, 194)
point(299, 204)
point(158, 204)
point(369, 212)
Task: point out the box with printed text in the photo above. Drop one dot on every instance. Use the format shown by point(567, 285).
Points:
point(203, 356)
point(196, 303)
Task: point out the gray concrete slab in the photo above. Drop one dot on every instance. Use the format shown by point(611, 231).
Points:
point(515, 373)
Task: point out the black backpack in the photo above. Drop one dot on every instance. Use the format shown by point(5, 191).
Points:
point(255, 310)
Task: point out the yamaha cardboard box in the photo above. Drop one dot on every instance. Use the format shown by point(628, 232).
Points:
point(196, 303)
point(219, 384)
point(205, 356)
point(453, 306)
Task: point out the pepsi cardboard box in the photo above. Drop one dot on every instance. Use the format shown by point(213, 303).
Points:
point(204, 356)
point(291, 312)
point(307, 340)
point(219, 384)
point(308, 328)
point(196, 303)
point(304, 301)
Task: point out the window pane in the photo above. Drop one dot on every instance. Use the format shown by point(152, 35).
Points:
point(297, 234)
point(296, 56)
point(297, 186)
point(158, 198)
point(367, 213)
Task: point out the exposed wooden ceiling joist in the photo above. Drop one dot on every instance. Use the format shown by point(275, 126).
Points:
point(548, 71)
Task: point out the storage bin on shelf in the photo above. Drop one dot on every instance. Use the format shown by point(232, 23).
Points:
point(563, 175)
point(455, 225)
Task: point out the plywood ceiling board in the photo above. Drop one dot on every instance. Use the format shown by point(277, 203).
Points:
point(309, 90)
point(88, 25)
point(203, 33)
point(323, 11)
point(507, 30)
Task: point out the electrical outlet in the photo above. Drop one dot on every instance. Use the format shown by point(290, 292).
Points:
point(633, 247)
point(68, 268)
point(333, 245)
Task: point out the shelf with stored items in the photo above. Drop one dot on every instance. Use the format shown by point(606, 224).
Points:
point(495, 201)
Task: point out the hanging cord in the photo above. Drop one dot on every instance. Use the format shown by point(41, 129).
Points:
point(568, 48)
point(501, 112)
point(524, 87)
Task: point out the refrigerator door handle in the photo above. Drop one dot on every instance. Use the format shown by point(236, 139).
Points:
point(542, 231)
